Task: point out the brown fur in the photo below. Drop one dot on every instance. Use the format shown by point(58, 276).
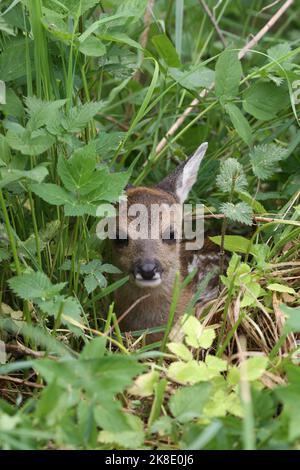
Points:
point(153, 311)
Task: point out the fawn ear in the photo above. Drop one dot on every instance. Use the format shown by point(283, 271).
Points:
point(183, 178)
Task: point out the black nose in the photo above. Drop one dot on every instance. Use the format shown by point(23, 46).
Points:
point(147, 269)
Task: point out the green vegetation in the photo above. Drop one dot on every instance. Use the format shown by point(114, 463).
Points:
point(88, 90)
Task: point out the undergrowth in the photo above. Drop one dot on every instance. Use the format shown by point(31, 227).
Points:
point(88, 89)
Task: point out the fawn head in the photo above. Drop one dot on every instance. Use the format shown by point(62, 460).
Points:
point(147, 244)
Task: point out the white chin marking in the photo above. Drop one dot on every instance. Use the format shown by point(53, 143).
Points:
point(155, 282)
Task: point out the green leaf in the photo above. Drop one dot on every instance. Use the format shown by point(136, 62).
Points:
point(257, 206)
point(79, 116)
point(240, 123)
point(239, 212)
point(194, 77)
point(13, 60)
point(92, 47)
point(228, 74)
point(293, 318)
point(41, 112)
point(187, 403)
point(181, 351)
point(144, 384)
point(233, 243)
point(166, 50)
point(13, 106)
point(196, 335)
point(264, 100)
point(30, 143)
point(76, 172)
point(189, 372)
point(255, 367)
point(281, 288)
point(33, 285)
point(53, 194)
point(215, 363)
point(7, 176)
point(264, 160)
point(231, 176)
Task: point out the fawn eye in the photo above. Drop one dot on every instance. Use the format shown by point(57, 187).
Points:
point(121, 242)
point(169, 236)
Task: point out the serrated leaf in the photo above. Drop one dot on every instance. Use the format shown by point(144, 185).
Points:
point(228, 74)
point(231, 176)
point(76, 172)
point(264, 160)
point(53, 194)
point(79, 116)
point(29, 143)
point(240, 123)
point(33, 285)
point(41, 112)
point(239, 212)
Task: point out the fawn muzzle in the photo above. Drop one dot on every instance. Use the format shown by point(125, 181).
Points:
point(147, 273)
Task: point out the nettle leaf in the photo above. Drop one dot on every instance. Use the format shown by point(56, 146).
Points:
point(193, 78)
point(228, 74)
point(264, 160)
point(231, 176)
point(79, 116)
point(240, 212)
point(240, 123)
point(92, 47)
point(166, 50)
point(41, 112)
point(30, 143)
point(265, 100)
point(34, 285)
point(187, 403)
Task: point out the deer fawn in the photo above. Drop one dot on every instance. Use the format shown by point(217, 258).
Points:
point(152, 263)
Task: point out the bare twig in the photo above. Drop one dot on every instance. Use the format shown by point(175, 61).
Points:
point(214, 21)
point(204, 92)
point(7, 378)
point(144, 36)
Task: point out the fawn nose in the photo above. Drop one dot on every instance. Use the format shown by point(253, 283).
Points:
point(148, 269)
